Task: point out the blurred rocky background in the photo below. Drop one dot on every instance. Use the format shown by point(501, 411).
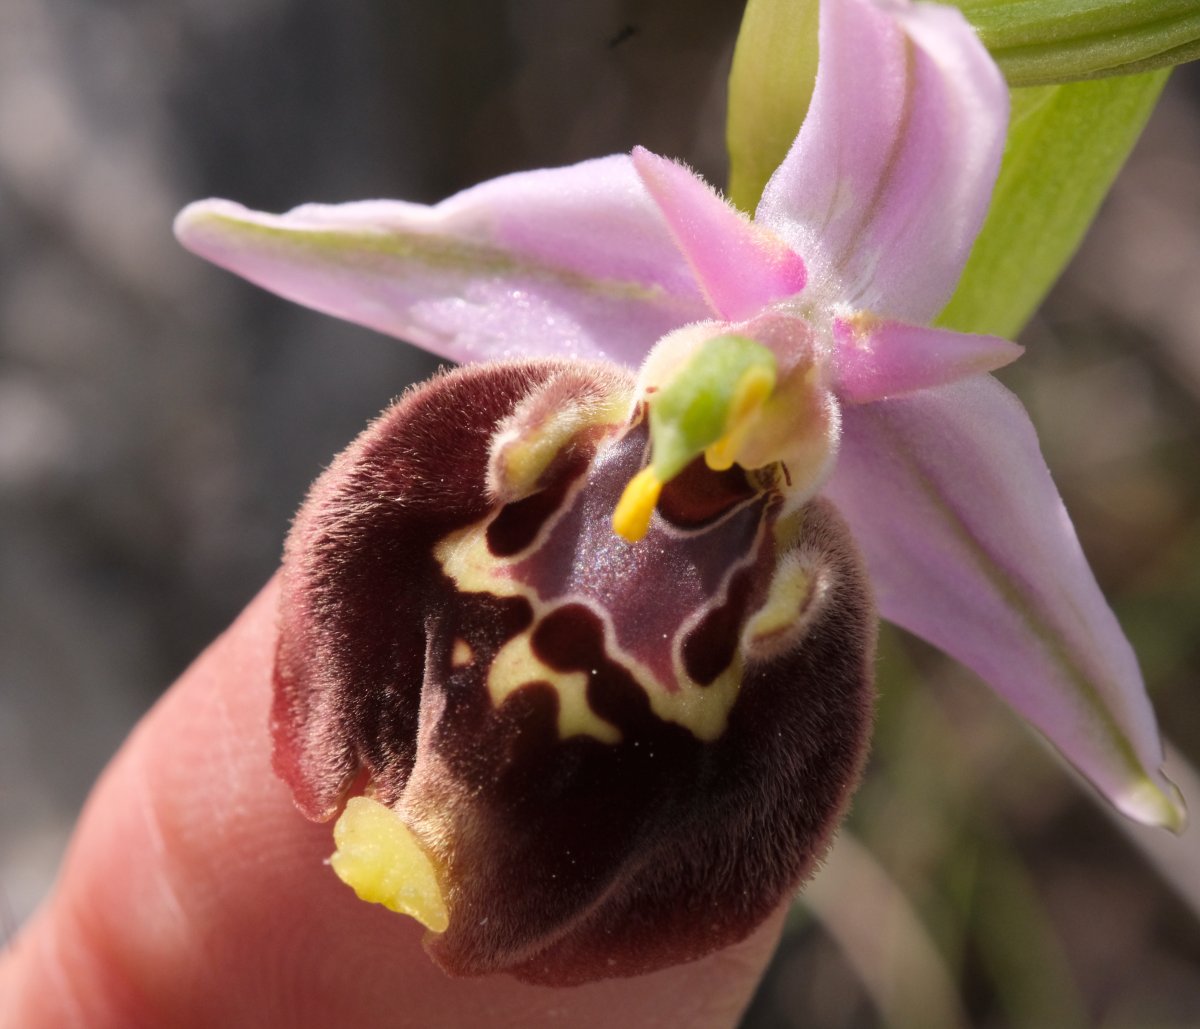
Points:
point(159, 422)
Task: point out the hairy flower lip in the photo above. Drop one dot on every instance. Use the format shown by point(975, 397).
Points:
point(562, 852)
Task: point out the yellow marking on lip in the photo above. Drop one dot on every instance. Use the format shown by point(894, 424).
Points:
point(461, 655)
point(789, 598)
point(516, 665)
point(380, 859)
point(521, 454)
point(702, 710)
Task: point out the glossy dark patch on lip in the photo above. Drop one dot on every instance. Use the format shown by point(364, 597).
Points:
point(699, 496)
point(649, 589)
point(517, 524)
point(710, 647)
point(571, 638)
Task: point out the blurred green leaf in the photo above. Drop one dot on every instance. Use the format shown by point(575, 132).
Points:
point(770, 84)
point(1037, 42)
point(1065, 147)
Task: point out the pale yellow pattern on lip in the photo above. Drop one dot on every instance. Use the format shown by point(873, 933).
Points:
point(516, 665)
point(519, 462)
point(787, 600)
point(702, 710)
point(461, 656)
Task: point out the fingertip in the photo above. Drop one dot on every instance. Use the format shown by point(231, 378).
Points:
point(195, 894)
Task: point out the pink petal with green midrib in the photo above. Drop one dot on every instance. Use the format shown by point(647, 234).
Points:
point(568, 262)
point(887, 184)
point(741, 266)
point(876, 359)
point(969, 546)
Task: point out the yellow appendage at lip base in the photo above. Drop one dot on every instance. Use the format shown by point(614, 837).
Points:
point(378, 857)
point(631, 519)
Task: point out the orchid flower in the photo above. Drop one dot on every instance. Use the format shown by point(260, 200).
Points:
point(787, 380)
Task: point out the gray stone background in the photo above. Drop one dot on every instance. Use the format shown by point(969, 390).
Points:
point(159, 420)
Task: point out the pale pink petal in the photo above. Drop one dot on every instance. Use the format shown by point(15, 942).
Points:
point(970, 547)
point(874, 359)
point(571, 262)
point(885, 188)
point(741, 266)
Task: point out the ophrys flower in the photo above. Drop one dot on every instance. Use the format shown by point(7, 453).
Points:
point(786, 363)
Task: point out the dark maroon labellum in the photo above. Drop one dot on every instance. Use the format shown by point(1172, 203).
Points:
point(617, 756)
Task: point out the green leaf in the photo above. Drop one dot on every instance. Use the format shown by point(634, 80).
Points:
point(1037, 42)
point(770, 85)
point(1065, 147)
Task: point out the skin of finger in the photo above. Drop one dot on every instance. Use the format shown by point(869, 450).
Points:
point(194, 894)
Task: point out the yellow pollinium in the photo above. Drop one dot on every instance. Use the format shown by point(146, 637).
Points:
point(378, 857)
point(752, 391)
point(631, 519)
